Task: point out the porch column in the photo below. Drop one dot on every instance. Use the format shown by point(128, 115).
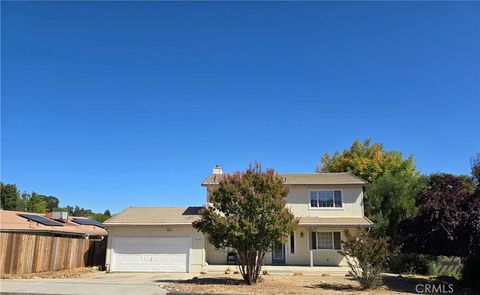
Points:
point(310, 245)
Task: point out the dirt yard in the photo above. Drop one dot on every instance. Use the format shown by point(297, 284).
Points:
point(61, 274)
point(302, 284)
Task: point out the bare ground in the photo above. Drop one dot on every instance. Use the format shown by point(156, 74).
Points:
point(60, 274)
point(303, 284)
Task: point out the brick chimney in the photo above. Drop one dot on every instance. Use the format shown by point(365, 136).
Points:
point(217, 170)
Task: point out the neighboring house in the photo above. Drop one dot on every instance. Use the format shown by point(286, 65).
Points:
point(162, 238)
point(32, 242)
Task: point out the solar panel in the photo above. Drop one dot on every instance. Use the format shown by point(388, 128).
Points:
point(85, 221)
point(40, 219)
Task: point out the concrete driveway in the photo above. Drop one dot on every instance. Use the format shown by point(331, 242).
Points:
point(102, 283)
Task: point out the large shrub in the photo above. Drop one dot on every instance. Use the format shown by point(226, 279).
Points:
point(366, 256)
point(413, 264)
point(471, 271)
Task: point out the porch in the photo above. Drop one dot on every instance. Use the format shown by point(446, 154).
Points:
point(285, 269)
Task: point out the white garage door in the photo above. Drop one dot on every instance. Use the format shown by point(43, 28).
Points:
point(151, 254)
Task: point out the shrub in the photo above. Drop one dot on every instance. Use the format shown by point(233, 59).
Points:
point(413, 264)
point(366, 257)
point(471, 271)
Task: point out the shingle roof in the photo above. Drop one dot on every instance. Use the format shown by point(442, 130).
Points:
point(12, 222)
point(304, 178)
point(155, 216)
point(187, 215)
point(335, 221)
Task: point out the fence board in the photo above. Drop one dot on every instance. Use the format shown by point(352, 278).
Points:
point(30, 253)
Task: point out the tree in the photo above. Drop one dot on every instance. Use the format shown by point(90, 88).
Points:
point(37, 204)
point(448, 218)
point(390, 199)
point(247, 213)
point(448, 222)
point(367, 161)
point(52, 202)
point(80, 212)
point(475, 164)
point(366, 256)
point(23, 201)
point(100, 217)
point(107, 214)
point(9, 196)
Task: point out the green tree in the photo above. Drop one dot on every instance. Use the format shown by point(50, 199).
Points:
point(368, 161)
point(390, 199)
point(9, 196)
point(80, 212)
point(37, 204)
point(52, 202)
point(23, 201)
point(247, 213)
point(366, 256)
point(100, 217)
point(107, 214)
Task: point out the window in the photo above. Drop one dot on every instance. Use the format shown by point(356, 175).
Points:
point(326, 240)
point(292, 242)
point(326, 199)
point(337, 240)
point(313, 199)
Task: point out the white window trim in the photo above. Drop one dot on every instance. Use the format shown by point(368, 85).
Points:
point(294, 243)
point(333, 241)
point(326, 208)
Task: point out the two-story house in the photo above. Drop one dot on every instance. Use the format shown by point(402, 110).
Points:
point(162, 239)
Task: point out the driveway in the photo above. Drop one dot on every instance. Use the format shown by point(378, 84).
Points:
point(102, 283)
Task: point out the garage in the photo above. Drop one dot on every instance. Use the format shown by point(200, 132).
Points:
point(151, 254)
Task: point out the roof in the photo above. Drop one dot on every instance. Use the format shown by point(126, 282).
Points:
point(335, 221)
point(155, 216)
point(304, 178)
point(187, 215)
point(11, 221)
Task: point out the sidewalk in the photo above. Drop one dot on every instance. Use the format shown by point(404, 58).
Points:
point(286, 269)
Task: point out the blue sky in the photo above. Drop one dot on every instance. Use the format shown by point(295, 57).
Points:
point(113, 104)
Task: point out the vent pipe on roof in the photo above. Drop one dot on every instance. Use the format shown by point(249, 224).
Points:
point(217, 170)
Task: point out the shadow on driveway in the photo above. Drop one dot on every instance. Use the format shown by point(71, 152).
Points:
point(206, 281)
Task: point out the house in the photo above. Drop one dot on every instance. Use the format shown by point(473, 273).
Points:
point(32, 242)
point(162, 239)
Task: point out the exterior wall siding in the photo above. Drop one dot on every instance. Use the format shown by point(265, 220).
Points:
point(198, 241)
point(302, 253)
point(298, 200)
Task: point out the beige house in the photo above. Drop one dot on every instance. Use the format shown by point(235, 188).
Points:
point(162, 239)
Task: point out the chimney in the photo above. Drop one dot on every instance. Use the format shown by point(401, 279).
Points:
point(60, 216)
point(217, 170)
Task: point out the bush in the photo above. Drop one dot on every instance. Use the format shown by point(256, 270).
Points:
point(366, 257)
point(471, 271)
point(413, 264)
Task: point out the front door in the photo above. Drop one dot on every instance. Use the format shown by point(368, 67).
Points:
point(278, 254)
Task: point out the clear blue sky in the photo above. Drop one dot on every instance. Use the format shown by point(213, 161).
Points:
point(113, 104)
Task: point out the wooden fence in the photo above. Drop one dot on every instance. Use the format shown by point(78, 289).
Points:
point(22, 253)
point(446, 265)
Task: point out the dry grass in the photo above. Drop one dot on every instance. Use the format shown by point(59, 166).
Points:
point(306, 284)
point(61, 274)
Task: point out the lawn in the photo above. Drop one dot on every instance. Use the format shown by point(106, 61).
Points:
point(301, 284)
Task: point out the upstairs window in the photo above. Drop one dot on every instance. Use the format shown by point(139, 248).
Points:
point(326, 199)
